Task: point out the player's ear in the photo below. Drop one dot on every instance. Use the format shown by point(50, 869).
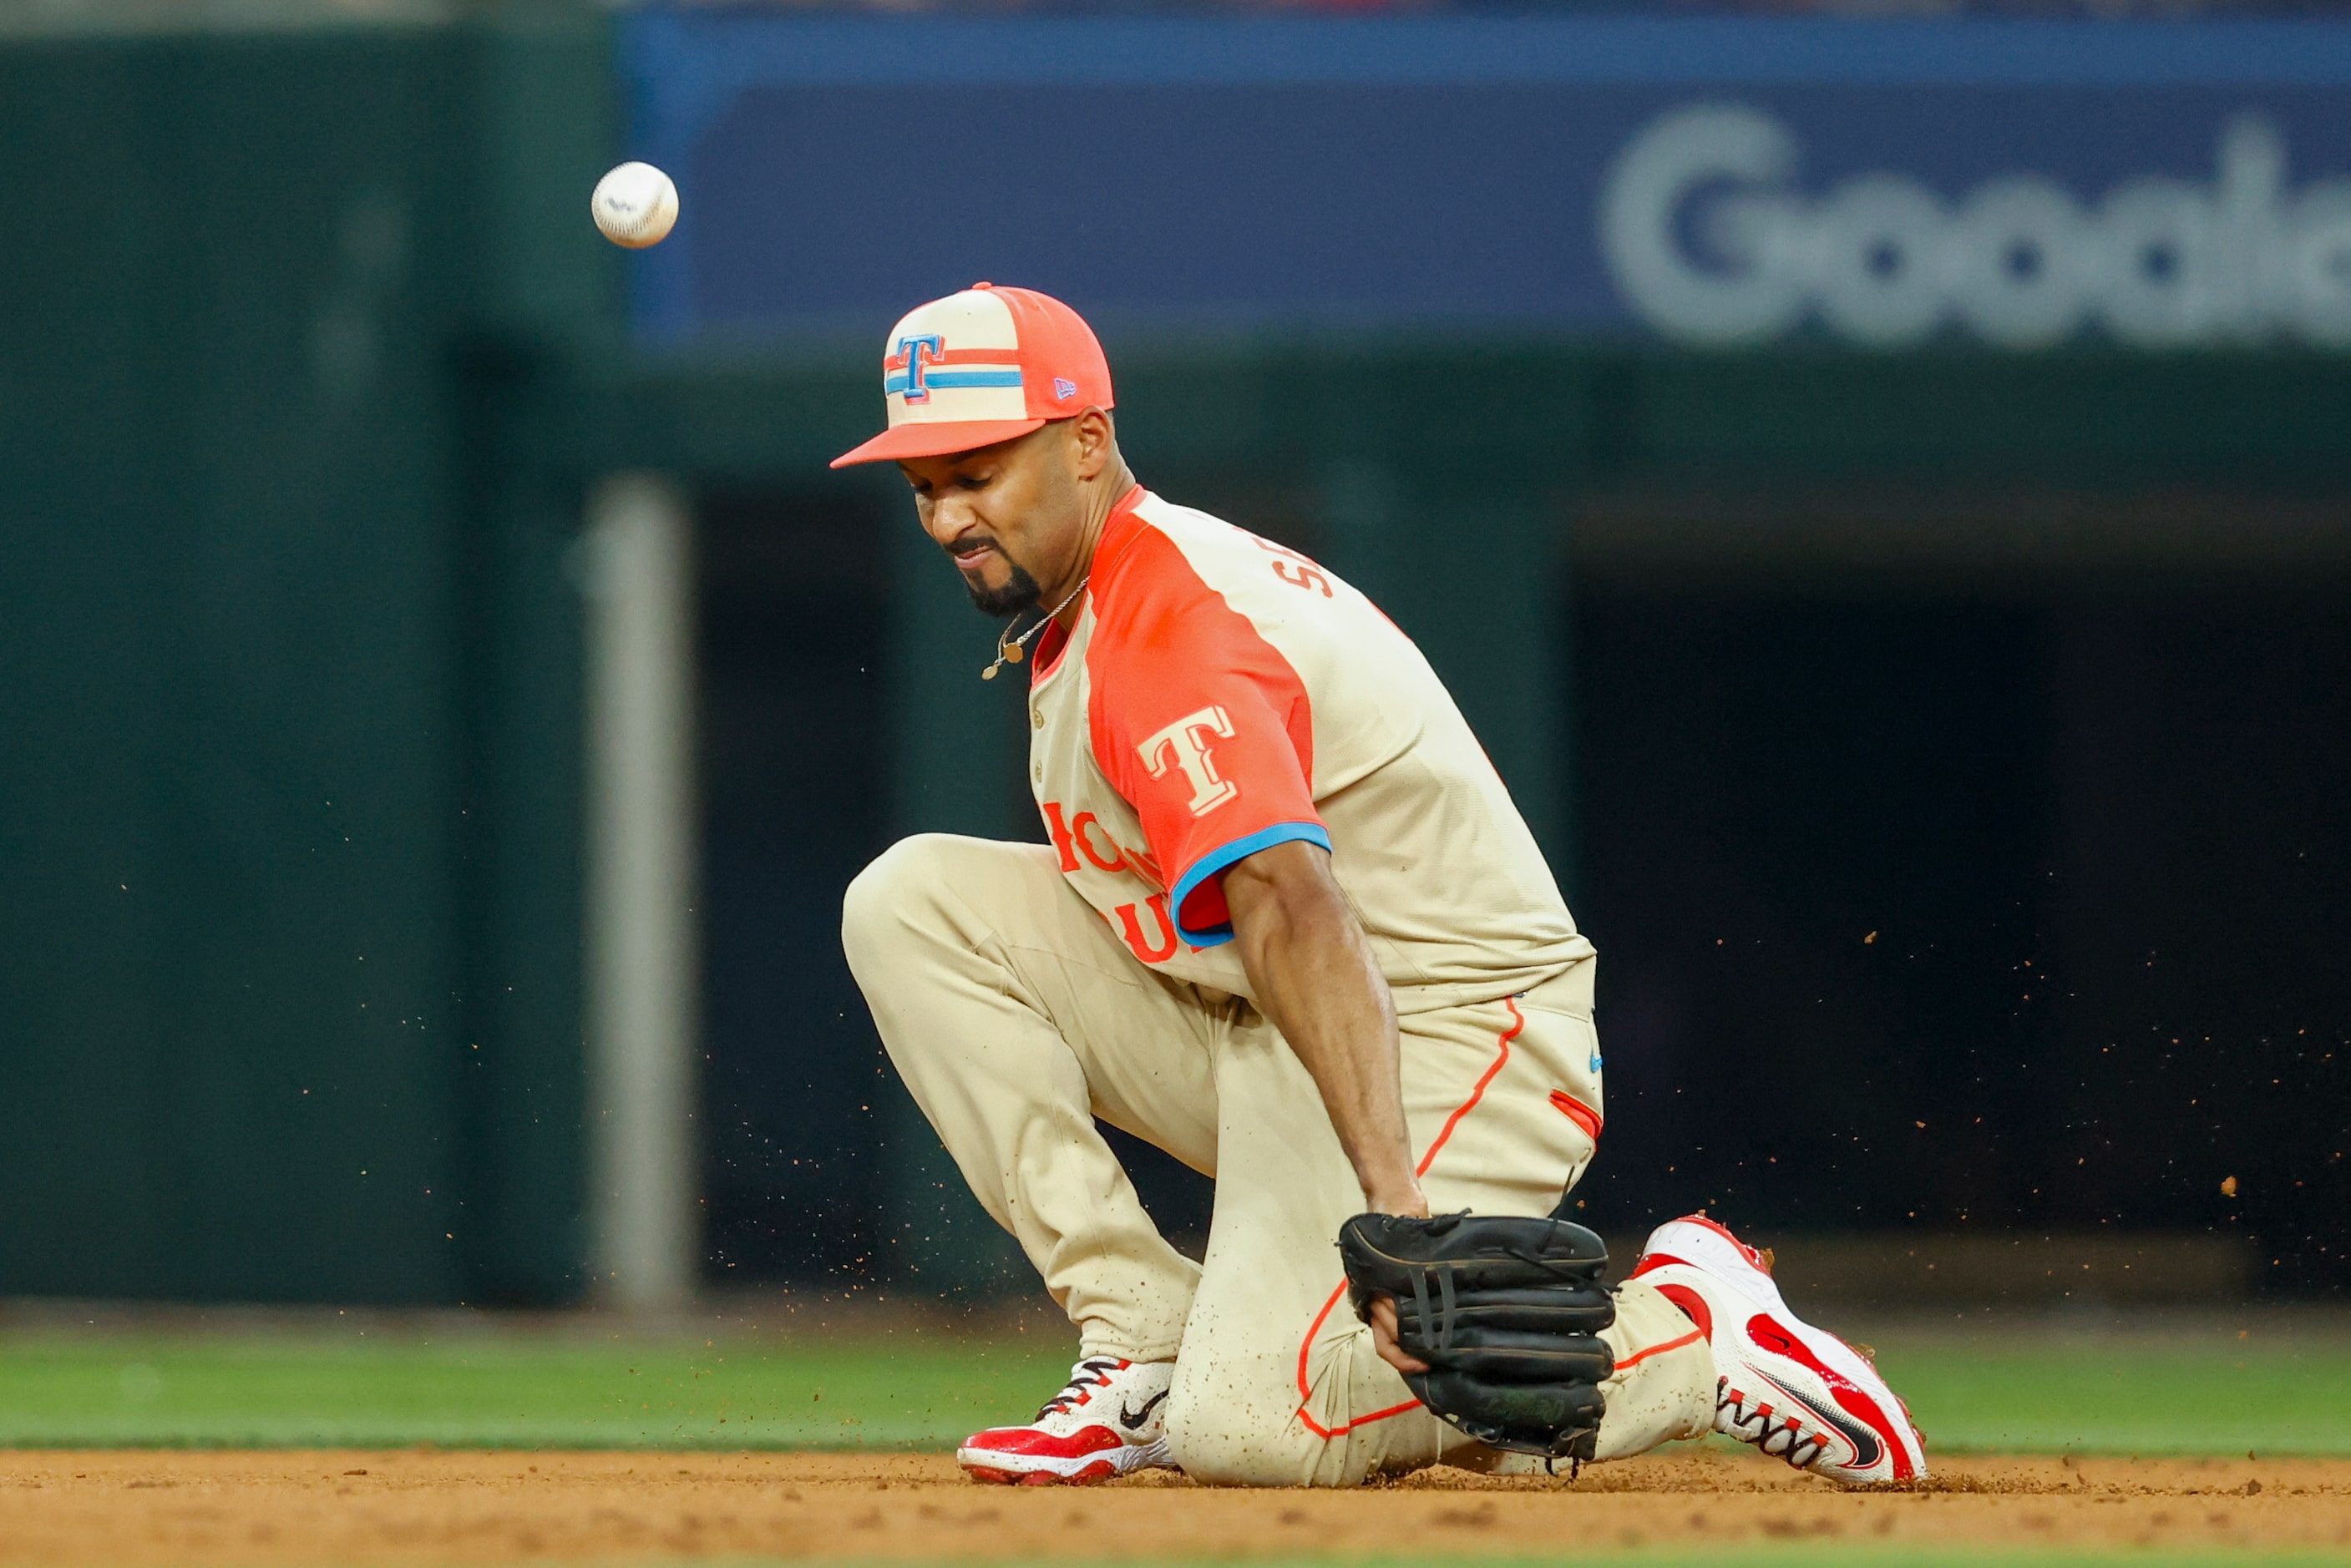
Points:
point(1094, 441)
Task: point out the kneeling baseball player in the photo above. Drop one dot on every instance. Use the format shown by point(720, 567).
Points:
point(1289, 929)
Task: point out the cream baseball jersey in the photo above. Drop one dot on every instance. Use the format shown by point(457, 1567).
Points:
point(1221, 694)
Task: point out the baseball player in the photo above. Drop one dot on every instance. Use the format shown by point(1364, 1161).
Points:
point(1289, 927)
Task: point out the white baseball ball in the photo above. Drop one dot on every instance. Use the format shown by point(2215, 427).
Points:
point(635, 205)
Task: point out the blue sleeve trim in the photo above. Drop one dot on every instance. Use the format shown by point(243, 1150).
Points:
point(1218, 859)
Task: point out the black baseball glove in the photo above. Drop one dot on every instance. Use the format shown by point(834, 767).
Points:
point(1506, 1311)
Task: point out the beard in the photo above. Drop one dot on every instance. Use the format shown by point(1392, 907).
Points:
point(1018, 593)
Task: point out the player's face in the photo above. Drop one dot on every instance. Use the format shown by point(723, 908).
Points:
point(1010, 516)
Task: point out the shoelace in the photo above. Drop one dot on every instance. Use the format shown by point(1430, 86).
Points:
point(1786, 1437)
point(1092, 1373)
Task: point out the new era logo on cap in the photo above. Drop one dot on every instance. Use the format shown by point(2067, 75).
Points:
point(981, 367)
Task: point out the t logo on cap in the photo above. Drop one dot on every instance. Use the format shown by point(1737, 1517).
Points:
point(919, 352)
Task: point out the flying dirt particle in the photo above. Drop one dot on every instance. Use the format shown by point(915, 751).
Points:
point(2228, 1187)
point(1869, 938)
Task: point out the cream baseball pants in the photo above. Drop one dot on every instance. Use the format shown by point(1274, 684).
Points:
point(1017, 1017)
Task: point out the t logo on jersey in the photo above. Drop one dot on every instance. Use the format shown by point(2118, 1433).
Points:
point(1179, 745)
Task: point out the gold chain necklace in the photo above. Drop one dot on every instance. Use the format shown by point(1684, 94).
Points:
point(1010, 650)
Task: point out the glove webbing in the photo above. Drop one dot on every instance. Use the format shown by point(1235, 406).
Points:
point(1442, 1336)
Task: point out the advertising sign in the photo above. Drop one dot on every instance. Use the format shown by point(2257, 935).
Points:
point(1709, 181)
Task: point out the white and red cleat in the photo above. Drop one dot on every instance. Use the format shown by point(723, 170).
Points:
point(1107, 1421)
point(1794, 1391)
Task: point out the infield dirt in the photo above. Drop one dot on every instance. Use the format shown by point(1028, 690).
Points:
point(129, 1509)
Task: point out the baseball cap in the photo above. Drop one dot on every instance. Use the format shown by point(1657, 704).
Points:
point(980, 367)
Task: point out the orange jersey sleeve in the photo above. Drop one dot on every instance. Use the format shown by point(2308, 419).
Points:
point(1196, 720)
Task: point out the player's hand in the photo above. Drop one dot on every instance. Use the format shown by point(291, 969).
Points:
point(1384, 1337)
point(1404, 1196)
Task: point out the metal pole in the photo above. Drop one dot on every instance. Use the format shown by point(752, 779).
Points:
point(644, 942)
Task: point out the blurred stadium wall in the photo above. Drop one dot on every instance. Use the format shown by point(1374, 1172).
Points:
point(290, 940)
point(1879, 489)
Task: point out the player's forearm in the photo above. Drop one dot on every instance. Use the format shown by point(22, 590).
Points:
point(1315, 978)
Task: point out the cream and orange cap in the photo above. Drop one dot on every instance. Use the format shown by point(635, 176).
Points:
point(980, 367)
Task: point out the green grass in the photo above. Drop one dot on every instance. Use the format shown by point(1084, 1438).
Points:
point(2136, 1393)
point(508, 1390)
point(2179, 1393)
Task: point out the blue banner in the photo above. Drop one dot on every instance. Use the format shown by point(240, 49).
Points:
point(1710, 181)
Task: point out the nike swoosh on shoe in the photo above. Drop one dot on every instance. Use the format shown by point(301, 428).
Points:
point(1867, 1450)
point(1132, 1420)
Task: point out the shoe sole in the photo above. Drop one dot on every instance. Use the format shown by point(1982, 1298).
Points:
point(991, 1469)
point(1712, 1251)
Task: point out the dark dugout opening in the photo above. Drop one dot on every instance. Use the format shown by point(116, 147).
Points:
point(1945, 884)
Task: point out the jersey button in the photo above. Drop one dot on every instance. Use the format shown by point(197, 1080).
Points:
point(1037, 772)
point(1036, 718)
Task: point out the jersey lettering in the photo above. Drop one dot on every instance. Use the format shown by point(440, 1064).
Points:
point(1306, 578)
point(1179, 744)
point(1079, 826)
point(1064, 843)
point(1084, 835)
point(1130, 927)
